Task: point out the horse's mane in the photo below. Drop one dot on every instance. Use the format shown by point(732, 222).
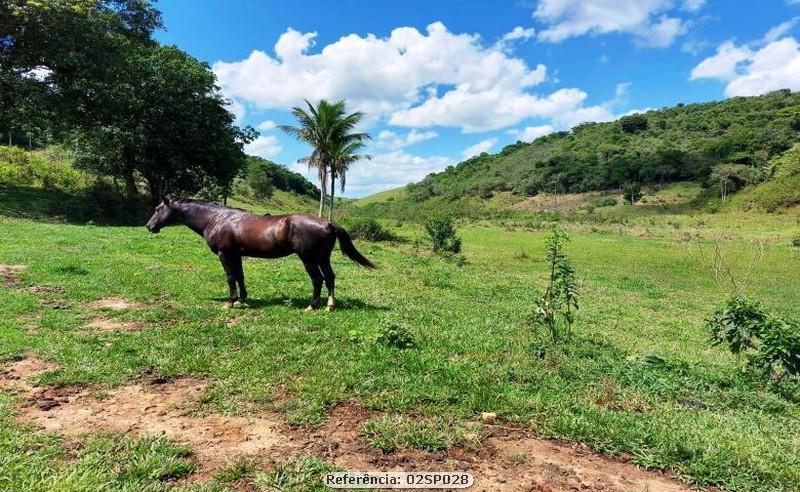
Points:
point(206, 204)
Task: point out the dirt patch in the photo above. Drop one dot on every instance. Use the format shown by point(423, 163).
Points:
point(10, 273)
point(46, 289)
point(506, 461)
point(105, 324)
point(548, 202)
point(115, 304)
point(15, 375)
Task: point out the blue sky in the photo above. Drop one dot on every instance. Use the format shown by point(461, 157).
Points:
point(443, 80)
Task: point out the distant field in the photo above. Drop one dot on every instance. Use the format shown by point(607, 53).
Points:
point(640, 378)
point(382, 197)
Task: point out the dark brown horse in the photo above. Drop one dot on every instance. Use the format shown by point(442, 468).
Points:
point(233, 233)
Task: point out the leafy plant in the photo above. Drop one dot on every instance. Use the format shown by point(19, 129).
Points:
point(555, 309)
point(442, 233)
point(632, 191)
point(368, 229)
point(796, 241)
point(397, 336)
point(772, 344)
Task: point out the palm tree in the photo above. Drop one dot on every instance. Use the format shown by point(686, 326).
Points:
point(341, 158)
point(325, 128)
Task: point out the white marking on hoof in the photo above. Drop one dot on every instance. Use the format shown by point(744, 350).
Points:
point(309, 309)
point(239, 304)
point(228, 305)
point(331, 303)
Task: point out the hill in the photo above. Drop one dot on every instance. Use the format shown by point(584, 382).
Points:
point(45, 185)
point(728, 144)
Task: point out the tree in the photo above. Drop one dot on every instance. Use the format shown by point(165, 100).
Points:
point(341, 158)
point(166, 122)
point(325, 127)
point(259, 180)
point(58, 58)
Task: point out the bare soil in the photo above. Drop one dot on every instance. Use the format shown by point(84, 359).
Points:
point(10, 273)
point(115, 304)
point(547, 202)
point(104, 324)
point(508, 460)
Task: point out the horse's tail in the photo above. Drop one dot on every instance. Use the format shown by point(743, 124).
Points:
point(349, 249)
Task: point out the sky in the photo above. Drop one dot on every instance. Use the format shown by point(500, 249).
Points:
point(444, 80)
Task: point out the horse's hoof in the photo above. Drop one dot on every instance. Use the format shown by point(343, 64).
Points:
point(240, 304)
point(328, 308)
point(309, 309)
point(228, 305)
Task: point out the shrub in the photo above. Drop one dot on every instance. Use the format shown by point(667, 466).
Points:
point(555, 309)
point(606, 201)
point(772, 344)
point(796, 241)
point(368, 229)
point(397, 336)
point(632, 191)
point(442, 233)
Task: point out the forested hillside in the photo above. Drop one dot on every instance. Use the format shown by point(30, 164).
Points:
point(728, 144)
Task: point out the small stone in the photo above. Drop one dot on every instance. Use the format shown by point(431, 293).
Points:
point(488, 417)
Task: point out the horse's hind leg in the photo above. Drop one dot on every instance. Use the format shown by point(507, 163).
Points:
point(312, 269)
point(228, 264)
point(330, 281)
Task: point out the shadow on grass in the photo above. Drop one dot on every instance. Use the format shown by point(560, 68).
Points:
point(102, 205)
point(345, 304)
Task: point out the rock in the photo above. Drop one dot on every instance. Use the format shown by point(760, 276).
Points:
point(488, 417)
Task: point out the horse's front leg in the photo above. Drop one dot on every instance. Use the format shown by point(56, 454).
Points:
point(239, 274)
point(228, 264)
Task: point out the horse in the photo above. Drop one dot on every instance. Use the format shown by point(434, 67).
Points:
point(232, 233)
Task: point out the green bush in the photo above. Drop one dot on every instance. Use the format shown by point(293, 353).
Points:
point(772, 344)
point(368, 229)
point(397, 336)
point(442, 233)
point(796, 241)
point(606, 201)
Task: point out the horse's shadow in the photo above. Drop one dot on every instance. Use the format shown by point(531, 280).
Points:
point(342, 304)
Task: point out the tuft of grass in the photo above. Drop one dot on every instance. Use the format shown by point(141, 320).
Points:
point(390, 433)
point(297, 474)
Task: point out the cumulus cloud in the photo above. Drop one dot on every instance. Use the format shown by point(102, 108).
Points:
point(391, 140)
point(531, 133)
point(766, 65)
point(386, 171)
point(265, 146)
point(266, 125)
point(479, 148)
point(648, 20)
point(380, 75)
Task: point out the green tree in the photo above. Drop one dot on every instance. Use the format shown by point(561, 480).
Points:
point(168, 123)
point(325, 127)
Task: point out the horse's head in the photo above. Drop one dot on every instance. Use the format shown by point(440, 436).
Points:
point(163, 216)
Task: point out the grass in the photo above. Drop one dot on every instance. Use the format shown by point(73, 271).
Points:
point(639, 378)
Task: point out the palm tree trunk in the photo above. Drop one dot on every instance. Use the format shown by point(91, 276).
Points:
point(333, 191)
point(323, 174)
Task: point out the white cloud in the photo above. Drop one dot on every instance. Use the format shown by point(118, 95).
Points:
point(479, 148)
point(781, 29)
point(762, 66)
point(391, 140)
point(266, 125)
point(519, 33)
point(531, 133)
point(265, 146)
point(647, 20)
point(386, 171)
point(693, 5)
point(723, 64)
point(378, 75)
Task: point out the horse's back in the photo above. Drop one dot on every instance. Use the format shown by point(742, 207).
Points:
point(281, 235)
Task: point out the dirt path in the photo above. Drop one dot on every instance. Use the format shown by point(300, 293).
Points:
point(506, 460)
